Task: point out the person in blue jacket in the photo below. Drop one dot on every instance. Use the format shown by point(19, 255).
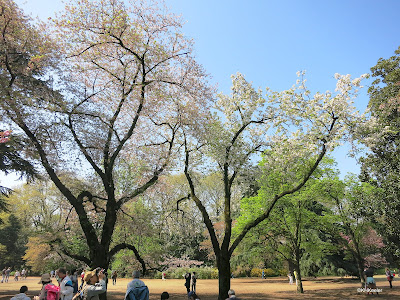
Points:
point(136, 289)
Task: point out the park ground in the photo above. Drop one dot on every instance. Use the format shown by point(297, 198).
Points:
point(325, 288)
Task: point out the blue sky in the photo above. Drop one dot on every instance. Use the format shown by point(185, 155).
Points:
point(269, 41)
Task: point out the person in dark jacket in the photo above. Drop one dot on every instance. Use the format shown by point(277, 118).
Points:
point(194, 280)
point(187, 282)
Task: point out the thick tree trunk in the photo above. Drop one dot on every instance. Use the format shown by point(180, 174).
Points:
point(360, 267)
point(224, 275)
point(100, 258)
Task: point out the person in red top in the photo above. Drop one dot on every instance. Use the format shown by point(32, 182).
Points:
point(389, 276)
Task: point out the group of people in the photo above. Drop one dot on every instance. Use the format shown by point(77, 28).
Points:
point(190, 282)
point(94, 283)
point(17, 275)
point(370, 281)
point(5, 274)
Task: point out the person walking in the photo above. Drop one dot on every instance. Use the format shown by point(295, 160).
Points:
point(114, 277)
point(3, 274)
point(17, 275)
point(389, 276)
point(66, 286)
point(23, 274)
point(194, 281)
point(136, 289)
point(8, 271)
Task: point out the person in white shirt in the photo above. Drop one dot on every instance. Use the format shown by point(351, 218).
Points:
point(66, 287)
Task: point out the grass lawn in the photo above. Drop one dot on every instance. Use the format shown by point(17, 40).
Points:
point(247, 288)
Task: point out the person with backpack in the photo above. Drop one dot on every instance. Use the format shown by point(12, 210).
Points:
point(95, 285)
point(49, 291)
point(66, 287)
point(389, 276)
point(136, 289)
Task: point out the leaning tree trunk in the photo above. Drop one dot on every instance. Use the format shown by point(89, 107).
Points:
point(298, 278)
point(224, 275)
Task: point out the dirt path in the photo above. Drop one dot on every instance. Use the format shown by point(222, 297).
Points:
point(326, 288)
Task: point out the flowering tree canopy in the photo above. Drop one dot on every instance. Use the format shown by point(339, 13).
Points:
point(292, 128)
point(105, 90)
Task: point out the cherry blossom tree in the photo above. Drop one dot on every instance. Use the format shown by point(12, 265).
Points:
point(106, 91)
point(293, 129)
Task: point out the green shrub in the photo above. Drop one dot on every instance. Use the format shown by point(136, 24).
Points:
point(270, 273)
point(257, 272)
point(179, 273)
point(242, 271)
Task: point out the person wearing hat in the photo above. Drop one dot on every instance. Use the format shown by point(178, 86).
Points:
point(136, 289)
point(44, 281)
point(94, 284)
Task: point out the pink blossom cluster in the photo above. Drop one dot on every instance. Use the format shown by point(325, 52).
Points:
point(4, 136)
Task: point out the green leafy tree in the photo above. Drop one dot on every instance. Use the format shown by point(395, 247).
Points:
point(380, 166)
point(13, 242)
point(12, 159)
point(293, 227)
point(296, 129)
point(355, 230)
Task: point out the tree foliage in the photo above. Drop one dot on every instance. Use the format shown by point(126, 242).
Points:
point(380, 166)
point(293, 129)
point(109, 85)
